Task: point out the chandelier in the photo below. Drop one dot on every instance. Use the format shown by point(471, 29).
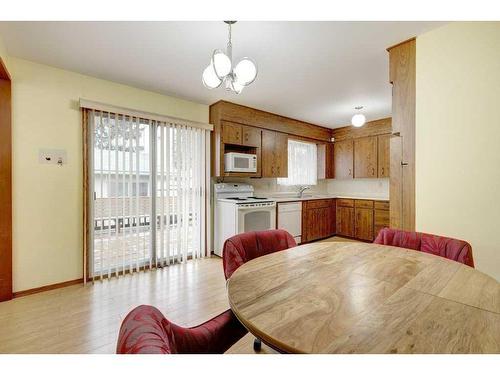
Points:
point(220, 71)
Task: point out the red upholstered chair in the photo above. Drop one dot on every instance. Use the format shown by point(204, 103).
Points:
point(243, 247)
point(446, 247)
point(146, 331)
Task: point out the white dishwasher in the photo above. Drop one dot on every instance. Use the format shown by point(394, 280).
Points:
point(290, 219)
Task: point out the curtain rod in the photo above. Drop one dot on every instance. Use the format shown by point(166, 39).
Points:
point(89, 104)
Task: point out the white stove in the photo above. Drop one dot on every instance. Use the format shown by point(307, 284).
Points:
point(238, 210)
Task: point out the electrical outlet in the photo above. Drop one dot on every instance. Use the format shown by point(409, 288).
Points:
point(50, 156)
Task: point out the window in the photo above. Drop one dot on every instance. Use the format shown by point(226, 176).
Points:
point(302, 164)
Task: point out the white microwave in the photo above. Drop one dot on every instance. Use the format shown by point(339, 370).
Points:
point(238, 162)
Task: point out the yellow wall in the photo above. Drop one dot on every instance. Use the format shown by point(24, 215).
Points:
point(47, 201)
point(458, 137)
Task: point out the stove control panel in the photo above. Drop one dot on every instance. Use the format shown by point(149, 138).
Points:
point(261, 204)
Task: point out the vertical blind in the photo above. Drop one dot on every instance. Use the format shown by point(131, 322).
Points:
point(302, 164)
point(150, 202)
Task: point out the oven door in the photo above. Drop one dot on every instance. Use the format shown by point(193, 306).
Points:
point(256, 218)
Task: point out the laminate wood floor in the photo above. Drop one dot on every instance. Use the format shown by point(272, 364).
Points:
point(86, 319)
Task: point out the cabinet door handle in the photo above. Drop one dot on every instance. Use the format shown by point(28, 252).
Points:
point(373, 171)
point(349, 171)
point(383, 171)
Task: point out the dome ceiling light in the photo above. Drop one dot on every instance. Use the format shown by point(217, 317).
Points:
point(220, 71)
point(359, 119)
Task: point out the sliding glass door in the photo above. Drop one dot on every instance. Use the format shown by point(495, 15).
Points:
point(122, 194)
point(132, 161)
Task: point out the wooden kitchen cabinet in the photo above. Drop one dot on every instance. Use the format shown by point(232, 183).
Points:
point(365, 157)
point(329, 161)
point(363, 221)
point(239, 128)
point(318, 219)
point(236, 134)
point(232, 133)
point(345, 217)
point(402, 75)
point(251, 136)
point(326, 168)
point(343, 159)
point(380, 216)
point(383, 155)
point(274, 154)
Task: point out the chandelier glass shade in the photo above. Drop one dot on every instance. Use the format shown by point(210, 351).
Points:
point(220, 70)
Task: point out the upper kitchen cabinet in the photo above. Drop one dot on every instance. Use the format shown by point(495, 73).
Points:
point(274, 154)
point(251, 136)
point(243, 130)
point(343, 157)
point(237, 134)
point(231, 133)
point(362, 152)
point(365, 157)
point(326, 167)
point(384, 160)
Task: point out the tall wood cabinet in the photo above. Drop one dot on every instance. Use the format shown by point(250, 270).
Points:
point(274, 154)
point(402, 75)
point(343, 157)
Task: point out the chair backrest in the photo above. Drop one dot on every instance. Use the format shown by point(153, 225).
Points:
point(146, 331)
point(243, 247)
point(450, 248)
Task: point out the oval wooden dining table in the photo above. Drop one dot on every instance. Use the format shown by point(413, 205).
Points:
point(335, 297)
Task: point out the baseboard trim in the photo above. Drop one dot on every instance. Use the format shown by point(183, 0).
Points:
point(45, 288)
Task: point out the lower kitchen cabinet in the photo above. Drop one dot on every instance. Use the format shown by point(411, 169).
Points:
point(381, 216)
point(345, 217)
point(363, 220)
point(360, 219)
point(318, 219)
point(364, 224)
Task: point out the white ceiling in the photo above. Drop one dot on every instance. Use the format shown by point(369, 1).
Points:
point(312, 71)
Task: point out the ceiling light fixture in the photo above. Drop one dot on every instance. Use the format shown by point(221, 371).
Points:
point(359, 119)
point(221, 70)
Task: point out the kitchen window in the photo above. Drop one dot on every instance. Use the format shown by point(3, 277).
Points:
point(302, 164)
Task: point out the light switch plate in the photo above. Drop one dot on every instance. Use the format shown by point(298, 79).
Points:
point(51, 156)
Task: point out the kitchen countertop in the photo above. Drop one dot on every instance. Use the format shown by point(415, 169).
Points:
point(325, 196)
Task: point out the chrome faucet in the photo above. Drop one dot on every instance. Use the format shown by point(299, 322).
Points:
point(302, 189)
